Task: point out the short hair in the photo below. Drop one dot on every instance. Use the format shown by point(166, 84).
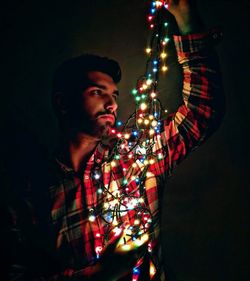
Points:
point(71, 75)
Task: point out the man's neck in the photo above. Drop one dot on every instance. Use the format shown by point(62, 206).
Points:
point(78, 149)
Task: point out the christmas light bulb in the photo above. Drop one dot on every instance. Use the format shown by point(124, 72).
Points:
point(134, 91)
point(127, 136)
point(92, 218)
point(153, 95)
point(151, 132)
point(163, 55)
point(154, 123)
point(148, 50)
point(164, 68)
point(139, 120)
point(143, 106)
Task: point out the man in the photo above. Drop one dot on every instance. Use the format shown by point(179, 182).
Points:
point(76, 236)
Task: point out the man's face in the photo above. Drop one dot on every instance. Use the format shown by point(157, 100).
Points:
point(98, 104)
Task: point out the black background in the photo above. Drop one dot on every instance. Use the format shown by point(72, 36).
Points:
point(205, 207)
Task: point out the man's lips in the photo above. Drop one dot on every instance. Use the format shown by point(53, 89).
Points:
point(109, 117)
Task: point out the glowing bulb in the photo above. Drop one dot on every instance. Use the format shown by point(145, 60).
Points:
point(151, 161)
point(125, 181)
point(128, 232)
point(149, 82)
point(97, 176)
point(119, 135)
point(154, 123)
point(113, 164)
point(166, 39)
point(144, 86)
point(163, 55)
point(134, 91)
point(134, 165)
point(154, 69)
point(139, 120)
point(127, 136)
point(146, 162)
point(151, 132)
point(143, 106)
point(117, 231)
point(148, 50)
point(99, 191)
point(153, 95)
point(92, 218)
point(136, 222)
point(126, 247)
point(146, 121)
point(117, 157)
point(164, 68)
point(158, 4)
point(138, 98)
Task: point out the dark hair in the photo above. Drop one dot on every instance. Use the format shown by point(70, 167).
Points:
point(71, 75)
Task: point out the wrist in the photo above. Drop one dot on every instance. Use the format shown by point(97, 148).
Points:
point(188, 20)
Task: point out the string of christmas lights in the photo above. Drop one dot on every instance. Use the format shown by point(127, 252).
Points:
point(136, 139)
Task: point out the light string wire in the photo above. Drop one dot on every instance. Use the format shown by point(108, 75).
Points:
point(136, 140)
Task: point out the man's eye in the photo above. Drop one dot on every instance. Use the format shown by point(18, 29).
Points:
point(96, 92)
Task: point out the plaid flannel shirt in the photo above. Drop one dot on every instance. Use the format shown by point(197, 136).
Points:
point(77, 239)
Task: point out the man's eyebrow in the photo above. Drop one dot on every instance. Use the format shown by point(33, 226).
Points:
point(92, 84)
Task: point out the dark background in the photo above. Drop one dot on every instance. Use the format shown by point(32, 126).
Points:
point(205, 221)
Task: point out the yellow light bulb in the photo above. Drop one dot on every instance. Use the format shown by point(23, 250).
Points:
point(154, 123)
point(164, 68)
point(143, 106)
point(151, 161)
point(127, 136)
point(139, 120)
point(136, 222)
point(163, 55)
point(148, 50)
point(146, 121)
point(151, 132)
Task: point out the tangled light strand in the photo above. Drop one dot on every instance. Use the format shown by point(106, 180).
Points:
point(136, 139)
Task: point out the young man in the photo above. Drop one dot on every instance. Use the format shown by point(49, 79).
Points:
point(76, 239)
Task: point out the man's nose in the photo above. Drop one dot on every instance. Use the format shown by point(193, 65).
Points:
point(111, 104)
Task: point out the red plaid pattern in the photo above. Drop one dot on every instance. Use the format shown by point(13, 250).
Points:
point(182, 132)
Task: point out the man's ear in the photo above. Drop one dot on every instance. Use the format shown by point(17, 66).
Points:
point(60, 103)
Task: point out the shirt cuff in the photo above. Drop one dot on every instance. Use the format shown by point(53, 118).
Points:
point(192, 43)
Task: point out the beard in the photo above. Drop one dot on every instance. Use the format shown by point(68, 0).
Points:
point(93, 126)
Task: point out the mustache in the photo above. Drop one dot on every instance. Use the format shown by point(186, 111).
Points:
point(105, 112)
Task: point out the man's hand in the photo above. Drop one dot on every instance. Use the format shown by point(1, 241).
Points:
point(186, 15)
point(114, 263)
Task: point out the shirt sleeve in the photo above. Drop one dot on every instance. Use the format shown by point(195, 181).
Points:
point(202, 108)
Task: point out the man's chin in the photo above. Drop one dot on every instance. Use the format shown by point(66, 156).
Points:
point(104, 130)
